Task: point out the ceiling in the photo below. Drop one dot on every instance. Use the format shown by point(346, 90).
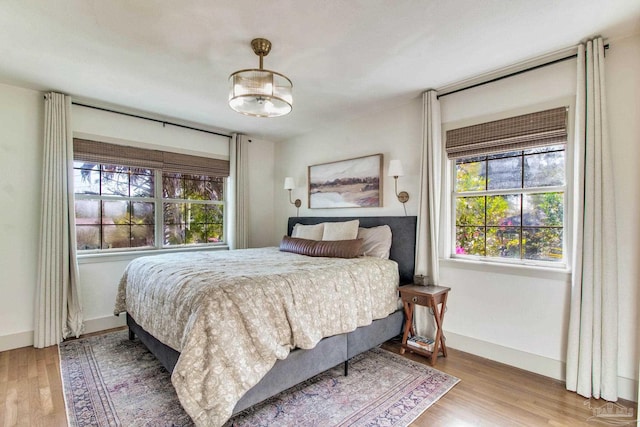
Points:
point(346, 58)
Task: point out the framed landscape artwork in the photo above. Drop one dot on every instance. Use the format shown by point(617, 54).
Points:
point(352, 183)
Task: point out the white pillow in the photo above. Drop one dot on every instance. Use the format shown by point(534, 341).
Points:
point(310, 232)
point(347, 230)
point(376, 241)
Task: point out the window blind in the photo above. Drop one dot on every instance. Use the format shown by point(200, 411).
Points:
point(102, 152)
point(542, 128)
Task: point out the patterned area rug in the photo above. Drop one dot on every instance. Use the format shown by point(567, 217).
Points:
point(111, 381)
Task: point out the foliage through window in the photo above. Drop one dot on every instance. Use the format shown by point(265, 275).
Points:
point(120, 207)
point(511, 205)
point(191, 210)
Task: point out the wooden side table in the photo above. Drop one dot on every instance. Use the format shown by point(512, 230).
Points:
point(434, 297)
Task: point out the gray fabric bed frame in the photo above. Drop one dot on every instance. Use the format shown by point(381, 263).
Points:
point(301, 364)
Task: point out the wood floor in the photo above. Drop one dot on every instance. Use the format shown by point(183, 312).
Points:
point(489, 393)
point(494, 394)
point(30, 388)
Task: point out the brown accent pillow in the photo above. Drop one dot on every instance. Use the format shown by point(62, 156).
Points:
point(322, 248)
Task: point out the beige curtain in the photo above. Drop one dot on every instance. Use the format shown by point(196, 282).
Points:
point(239, 192)
point(592, 354)
point(429, 203)
point(58, 314)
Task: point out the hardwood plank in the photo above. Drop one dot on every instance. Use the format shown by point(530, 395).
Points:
point(54, 420)
point(4, 367)
point(55, 383)
point(36, 407)
point(12, 363)
point(43, 378)
point(11, 405)
point(24, 412)
point(32, 367)
point(21, 363)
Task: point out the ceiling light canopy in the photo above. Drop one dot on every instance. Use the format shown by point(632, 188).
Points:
point(260, 92)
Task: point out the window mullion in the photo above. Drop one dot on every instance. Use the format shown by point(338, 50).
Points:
point(159, 209)
point(111, 197)
point(521, 226)
point(486, 188)
point(505, 192)
point(486, 230)
point(194, 201)
point(522, 207)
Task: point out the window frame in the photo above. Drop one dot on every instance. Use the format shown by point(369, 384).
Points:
point(111, 197)
point(157, 200)
point(159, 212)
point(504, 192)
point(448, 219)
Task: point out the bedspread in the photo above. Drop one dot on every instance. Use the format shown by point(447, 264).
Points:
point(231, 314)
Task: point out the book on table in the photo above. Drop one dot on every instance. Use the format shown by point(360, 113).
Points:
point(422, 343)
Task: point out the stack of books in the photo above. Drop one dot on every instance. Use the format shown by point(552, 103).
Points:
point(422, 343)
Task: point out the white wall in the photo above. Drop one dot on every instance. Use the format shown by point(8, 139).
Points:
point(396, 134)
point(21, 135)
point(105, 126)
point(261, 193)
point(21, 127)
point(515, 315)
point(623, 103)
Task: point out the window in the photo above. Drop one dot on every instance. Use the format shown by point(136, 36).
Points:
point(508, 203)
point(133, 198)
point(192, 209)
point(115, 206)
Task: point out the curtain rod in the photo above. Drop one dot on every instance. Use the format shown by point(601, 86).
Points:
point(164, 122)
point(515, 73)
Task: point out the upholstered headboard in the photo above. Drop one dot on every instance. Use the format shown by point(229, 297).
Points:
point(403, 237)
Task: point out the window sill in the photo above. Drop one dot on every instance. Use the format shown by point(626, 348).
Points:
point(96, 258)
point(536, 271)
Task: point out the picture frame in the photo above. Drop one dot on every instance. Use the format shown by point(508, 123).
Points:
point(350, 183)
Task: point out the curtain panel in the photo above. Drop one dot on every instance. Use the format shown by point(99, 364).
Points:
point(428, 233)
point(239, 192)
point(592, 351)
point(58, 313)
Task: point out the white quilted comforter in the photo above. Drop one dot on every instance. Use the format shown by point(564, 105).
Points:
point(231, 314)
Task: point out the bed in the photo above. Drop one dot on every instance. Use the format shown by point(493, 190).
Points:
point(223, 369)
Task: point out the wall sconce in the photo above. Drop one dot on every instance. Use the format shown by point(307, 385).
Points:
point(289, 184)
point(395, 170)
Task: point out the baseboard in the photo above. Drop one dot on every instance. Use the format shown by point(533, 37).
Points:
point(25, 339)
point(104, 323)
point(509, 356)
point(627, 388)
point(21, 339)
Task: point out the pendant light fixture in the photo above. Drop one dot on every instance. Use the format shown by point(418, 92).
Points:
point(259, 92)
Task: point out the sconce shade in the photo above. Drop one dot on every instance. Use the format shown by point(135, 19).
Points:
point(289, 184)
point(259, 92)
point(395, 168)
